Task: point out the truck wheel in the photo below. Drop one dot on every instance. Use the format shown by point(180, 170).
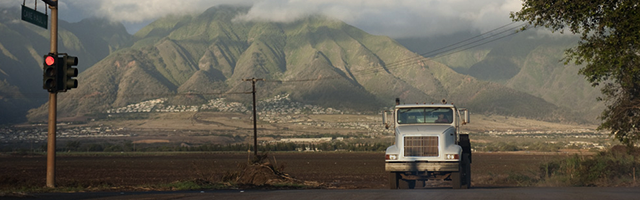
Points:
point(406, 184)
point(393, 180)
point(466, 166)
point(419, 184)
point(456, 179)
point(466, 145)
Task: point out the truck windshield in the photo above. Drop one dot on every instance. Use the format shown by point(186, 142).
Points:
point(425, 115)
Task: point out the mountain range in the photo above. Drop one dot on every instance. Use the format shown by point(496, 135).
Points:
point(530, 62)
point(22, 47)
point(317, 60)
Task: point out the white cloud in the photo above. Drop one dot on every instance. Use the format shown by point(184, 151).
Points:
point(133, 11)
point(396, 18)
point(17, 3)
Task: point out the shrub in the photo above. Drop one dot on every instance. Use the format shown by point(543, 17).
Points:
point(610, 168)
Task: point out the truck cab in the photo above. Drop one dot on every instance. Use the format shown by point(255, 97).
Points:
point(428, 145)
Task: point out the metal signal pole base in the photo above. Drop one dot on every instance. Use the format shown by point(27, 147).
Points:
point(51, 141)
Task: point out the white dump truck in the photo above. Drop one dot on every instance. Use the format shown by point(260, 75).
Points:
point(428, 145)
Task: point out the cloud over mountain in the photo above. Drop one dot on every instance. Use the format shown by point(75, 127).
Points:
point(398, 18)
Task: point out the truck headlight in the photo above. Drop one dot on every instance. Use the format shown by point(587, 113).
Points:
point(391, 156)
point(453, 156)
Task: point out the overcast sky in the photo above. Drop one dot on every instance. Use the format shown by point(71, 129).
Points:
point(395, 18)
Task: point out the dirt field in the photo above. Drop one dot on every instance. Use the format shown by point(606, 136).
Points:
point(343, 170)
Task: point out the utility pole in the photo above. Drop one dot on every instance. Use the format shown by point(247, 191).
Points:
point(53, 96)
point(255, 127)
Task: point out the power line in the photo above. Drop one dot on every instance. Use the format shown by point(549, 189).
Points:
point(440, 52)
point(512, 30)
point(460, 44)
point(477, 45)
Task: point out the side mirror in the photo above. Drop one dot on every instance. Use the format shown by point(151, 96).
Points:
point(467, 118)
point(384, 119)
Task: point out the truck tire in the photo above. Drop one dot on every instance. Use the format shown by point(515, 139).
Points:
point(466, 171)
point(393, 180)
point(456, 179)
point(419, 184)
point(465, 143)
point(406, 184)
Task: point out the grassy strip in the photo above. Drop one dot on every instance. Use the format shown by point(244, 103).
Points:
point(197, 184)
point(617, 167)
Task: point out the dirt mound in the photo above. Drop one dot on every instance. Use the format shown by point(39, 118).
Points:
point(261, 174)
point(263, 171)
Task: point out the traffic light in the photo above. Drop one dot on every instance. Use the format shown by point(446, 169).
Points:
point(69, 72)
point(50, 73)
point(58, 73)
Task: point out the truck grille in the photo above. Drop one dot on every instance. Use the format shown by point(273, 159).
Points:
point(421, 146)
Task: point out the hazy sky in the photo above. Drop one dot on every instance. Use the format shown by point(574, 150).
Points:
point(395, 18)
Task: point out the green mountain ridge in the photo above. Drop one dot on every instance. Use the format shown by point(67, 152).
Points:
point(530, 62)
point(317, 60)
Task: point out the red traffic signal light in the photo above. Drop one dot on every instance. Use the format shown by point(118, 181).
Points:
point(49, 60)
point(50, 73)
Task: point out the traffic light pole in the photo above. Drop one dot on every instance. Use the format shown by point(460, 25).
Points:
point(53, 97)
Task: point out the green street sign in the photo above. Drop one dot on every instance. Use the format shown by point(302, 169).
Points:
point(34, 17)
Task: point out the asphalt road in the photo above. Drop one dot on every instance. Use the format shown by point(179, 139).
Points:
point(568, 193)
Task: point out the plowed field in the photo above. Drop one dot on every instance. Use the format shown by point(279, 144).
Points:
point(352, 170)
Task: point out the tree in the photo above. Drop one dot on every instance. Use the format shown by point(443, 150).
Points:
point(609, 48)
point(72, 146)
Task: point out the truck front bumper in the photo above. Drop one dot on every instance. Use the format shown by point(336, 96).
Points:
point(422, 166)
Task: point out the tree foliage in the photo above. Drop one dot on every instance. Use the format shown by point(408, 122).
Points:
point(609, 48)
